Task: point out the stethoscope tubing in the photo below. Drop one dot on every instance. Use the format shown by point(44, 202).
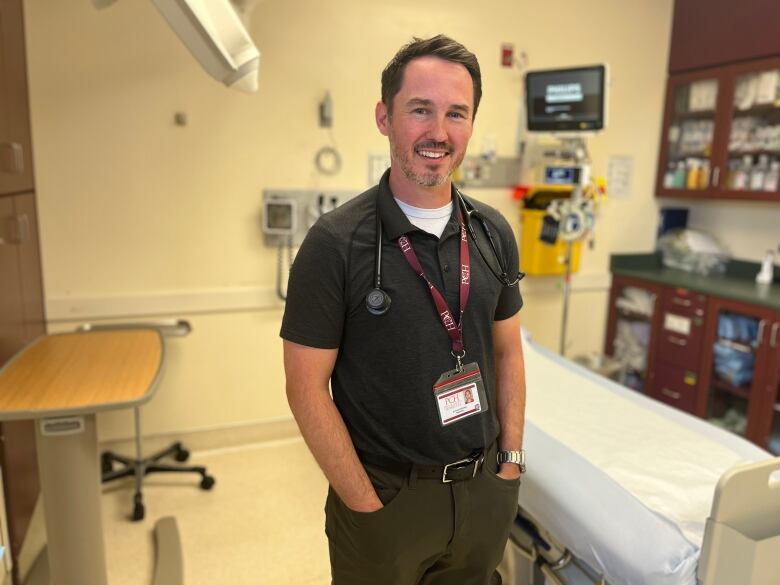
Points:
point(378, 301)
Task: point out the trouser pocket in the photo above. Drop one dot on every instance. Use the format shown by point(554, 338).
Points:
point(368, 547)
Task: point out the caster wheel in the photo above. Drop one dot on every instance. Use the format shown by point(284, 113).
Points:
point(207, 482)
point(138, 512)
point(182, 455)
point(106, 465)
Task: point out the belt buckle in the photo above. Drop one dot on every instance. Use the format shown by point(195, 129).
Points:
point(475, 460)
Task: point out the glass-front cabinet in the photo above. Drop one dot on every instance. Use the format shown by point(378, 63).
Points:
point(735, 395)
point(630, 329)
point(687, 164)
point(754, 135)
point(771, 424)
point(721, 133)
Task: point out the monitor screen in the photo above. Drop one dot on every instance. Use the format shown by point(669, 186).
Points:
point(566, 100)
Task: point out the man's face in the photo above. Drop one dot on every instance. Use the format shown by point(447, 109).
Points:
point(431, 121)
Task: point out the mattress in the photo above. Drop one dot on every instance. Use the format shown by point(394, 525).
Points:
point(625, 482)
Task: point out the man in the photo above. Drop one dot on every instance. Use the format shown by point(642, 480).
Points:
point(417, 495)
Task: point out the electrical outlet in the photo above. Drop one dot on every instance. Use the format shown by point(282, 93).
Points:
point(377, 165)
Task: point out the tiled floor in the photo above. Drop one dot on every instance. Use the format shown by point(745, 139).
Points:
point(261, 524)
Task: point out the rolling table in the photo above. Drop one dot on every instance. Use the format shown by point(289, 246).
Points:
point(61, 381)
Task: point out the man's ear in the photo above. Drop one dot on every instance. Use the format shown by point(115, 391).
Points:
point(382, 118)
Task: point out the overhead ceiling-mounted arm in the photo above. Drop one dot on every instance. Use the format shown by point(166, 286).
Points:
point(215, 35)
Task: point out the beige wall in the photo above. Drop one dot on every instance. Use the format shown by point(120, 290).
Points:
point(745, 230)
point(135, 207)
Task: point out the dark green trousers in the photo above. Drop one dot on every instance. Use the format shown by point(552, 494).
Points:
point(428, 533)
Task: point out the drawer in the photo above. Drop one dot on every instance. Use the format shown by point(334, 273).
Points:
point(680, 338)
point(675, 386)
point(684, 301)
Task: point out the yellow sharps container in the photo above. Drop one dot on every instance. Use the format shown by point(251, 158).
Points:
point(538, 258)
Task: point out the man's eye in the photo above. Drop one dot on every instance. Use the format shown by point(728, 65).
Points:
point(457, 115)
point(420, 111)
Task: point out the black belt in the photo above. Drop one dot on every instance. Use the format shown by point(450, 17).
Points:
point(460, 470)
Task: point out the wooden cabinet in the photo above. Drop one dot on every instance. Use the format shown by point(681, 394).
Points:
point(21, 321)
point(737, 338)
point(721, 133)
point(680, 333)
point(632, 324)
point(716, 358)
point(21, 296)
point(716, 32)
point(16, 174)
point(769, 425)
point(678, 348)
point(11, 329)
point(674, 385)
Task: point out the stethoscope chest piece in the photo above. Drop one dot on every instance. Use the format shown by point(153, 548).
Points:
point(377, 302)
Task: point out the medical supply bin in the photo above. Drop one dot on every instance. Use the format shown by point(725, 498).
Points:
point(538, 258)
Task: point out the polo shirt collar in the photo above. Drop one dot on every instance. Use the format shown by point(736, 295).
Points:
point(394, 221)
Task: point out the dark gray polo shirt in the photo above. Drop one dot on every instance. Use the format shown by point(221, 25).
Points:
point(382, 382)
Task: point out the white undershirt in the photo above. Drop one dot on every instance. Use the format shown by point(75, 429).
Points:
point(430, 220)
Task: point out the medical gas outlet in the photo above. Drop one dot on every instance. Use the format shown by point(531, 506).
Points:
point(288, 215)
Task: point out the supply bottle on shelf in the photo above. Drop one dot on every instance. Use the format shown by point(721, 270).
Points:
point(742, 174)
point(732, 174)
point(773, 176)
point(692, 179)
point(679, 176)
point(758, 174)
point(704, 175)
point(669, 176)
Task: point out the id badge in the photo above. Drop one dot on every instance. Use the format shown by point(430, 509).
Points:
point(460, 394)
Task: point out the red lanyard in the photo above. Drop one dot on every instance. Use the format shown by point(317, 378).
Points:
point(455, 331)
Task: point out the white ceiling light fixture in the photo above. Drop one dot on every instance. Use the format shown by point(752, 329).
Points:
point(244, 9)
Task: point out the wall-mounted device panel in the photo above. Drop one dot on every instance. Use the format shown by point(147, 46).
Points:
point(562, 175)
point(477, 172)
point(288, 214)
point(566, 100)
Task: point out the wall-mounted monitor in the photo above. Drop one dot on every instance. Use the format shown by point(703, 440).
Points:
point(566, 100)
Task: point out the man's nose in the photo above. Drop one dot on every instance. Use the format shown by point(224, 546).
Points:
point(438, 129)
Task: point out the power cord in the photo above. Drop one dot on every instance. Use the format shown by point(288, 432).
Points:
point(282, 294)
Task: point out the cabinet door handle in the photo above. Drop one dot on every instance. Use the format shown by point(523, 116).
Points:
point(760, 336)
point(12, 158)
point(677, 340)
point(15, 229)
point(715, 176)
point(670, 393)
point(683, 302)
point(23, 228)
point(773, 336)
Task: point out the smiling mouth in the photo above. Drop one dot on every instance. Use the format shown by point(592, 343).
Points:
point(432, 153)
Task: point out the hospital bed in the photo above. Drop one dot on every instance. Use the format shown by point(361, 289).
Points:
point(620, 487)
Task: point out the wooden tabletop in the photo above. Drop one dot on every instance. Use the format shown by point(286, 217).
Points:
point(81, 372)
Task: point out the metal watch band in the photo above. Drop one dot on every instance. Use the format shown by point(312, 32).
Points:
point(516, 457)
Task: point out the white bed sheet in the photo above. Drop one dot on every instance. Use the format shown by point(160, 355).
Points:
point(625, 482)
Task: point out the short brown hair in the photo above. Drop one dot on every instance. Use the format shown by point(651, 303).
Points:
point(439, 46)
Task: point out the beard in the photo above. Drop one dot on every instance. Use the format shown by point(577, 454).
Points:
point(423, 179)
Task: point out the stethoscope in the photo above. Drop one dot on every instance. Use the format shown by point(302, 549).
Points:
point(378, 301)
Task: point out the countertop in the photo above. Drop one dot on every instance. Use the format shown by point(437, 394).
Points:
point(738, 283)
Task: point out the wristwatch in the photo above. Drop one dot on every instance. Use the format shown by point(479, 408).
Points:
point(516, 457)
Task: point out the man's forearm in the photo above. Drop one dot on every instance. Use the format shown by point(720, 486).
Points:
point(326, 435)
point(510, 398)
point(510, 388)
